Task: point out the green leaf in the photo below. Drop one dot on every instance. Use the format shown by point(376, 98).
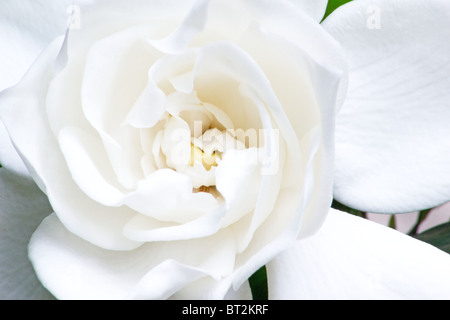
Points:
point(339, 206)
point(258, 284)
point(333, 5)
point(392, 223)
point(438, 236)
point(422, 216)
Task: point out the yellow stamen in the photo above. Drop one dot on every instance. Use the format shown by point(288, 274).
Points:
point(207, 160)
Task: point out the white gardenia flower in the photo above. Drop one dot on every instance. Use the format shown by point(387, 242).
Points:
point(184, 144)
point(174, 142)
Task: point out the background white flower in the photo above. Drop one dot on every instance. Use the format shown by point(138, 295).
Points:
point(392, 131)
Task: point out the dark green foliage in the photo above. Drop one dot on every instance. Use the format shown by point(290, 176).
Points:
point(258, 284)
point(438, 236)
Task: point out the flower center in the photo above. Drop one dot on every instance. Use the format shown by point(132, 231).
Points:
point(192, 138)
point(207, 160)
point(209, 148)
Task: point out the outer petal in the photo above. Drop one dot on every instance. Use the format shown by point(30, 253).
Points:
point(75, 269)
point(315, 8)
point(8, 154)
point(243, 293)
point(26, 27)
point(354, 258)
point(47, 167)
point(393, 130)
point(287, 19)
point(22, 207)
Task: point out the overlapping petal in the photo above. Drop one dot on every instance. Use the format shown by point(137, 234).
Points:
point(47, 166)
point(315, 8)
point(26, 27)
point(392, 133)
point(9, 158)
point(354, 258)
point(156, 270)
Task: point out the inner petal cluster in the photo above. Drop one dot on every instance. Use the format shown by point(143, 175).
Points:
point(192, 138)
point(193, 146)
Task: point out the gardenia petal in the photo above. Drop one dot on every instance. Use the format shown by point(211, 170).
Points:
point(89, 172)
point(192, 24)
point(114, 78)
point(26, 27)
point(287, 21)
point(60, 258)
point(393, 128)
point(142, 228)
point(46, 164)
point(238, 171)
point(305, 107)
point(9, 158)
point(167, 195)
point(316, 9)
point(284, 18)
point(353, 258)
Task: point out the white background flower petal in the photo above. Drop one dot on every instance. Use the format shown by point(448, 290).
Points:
point(393, 132)
point(353, 258)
